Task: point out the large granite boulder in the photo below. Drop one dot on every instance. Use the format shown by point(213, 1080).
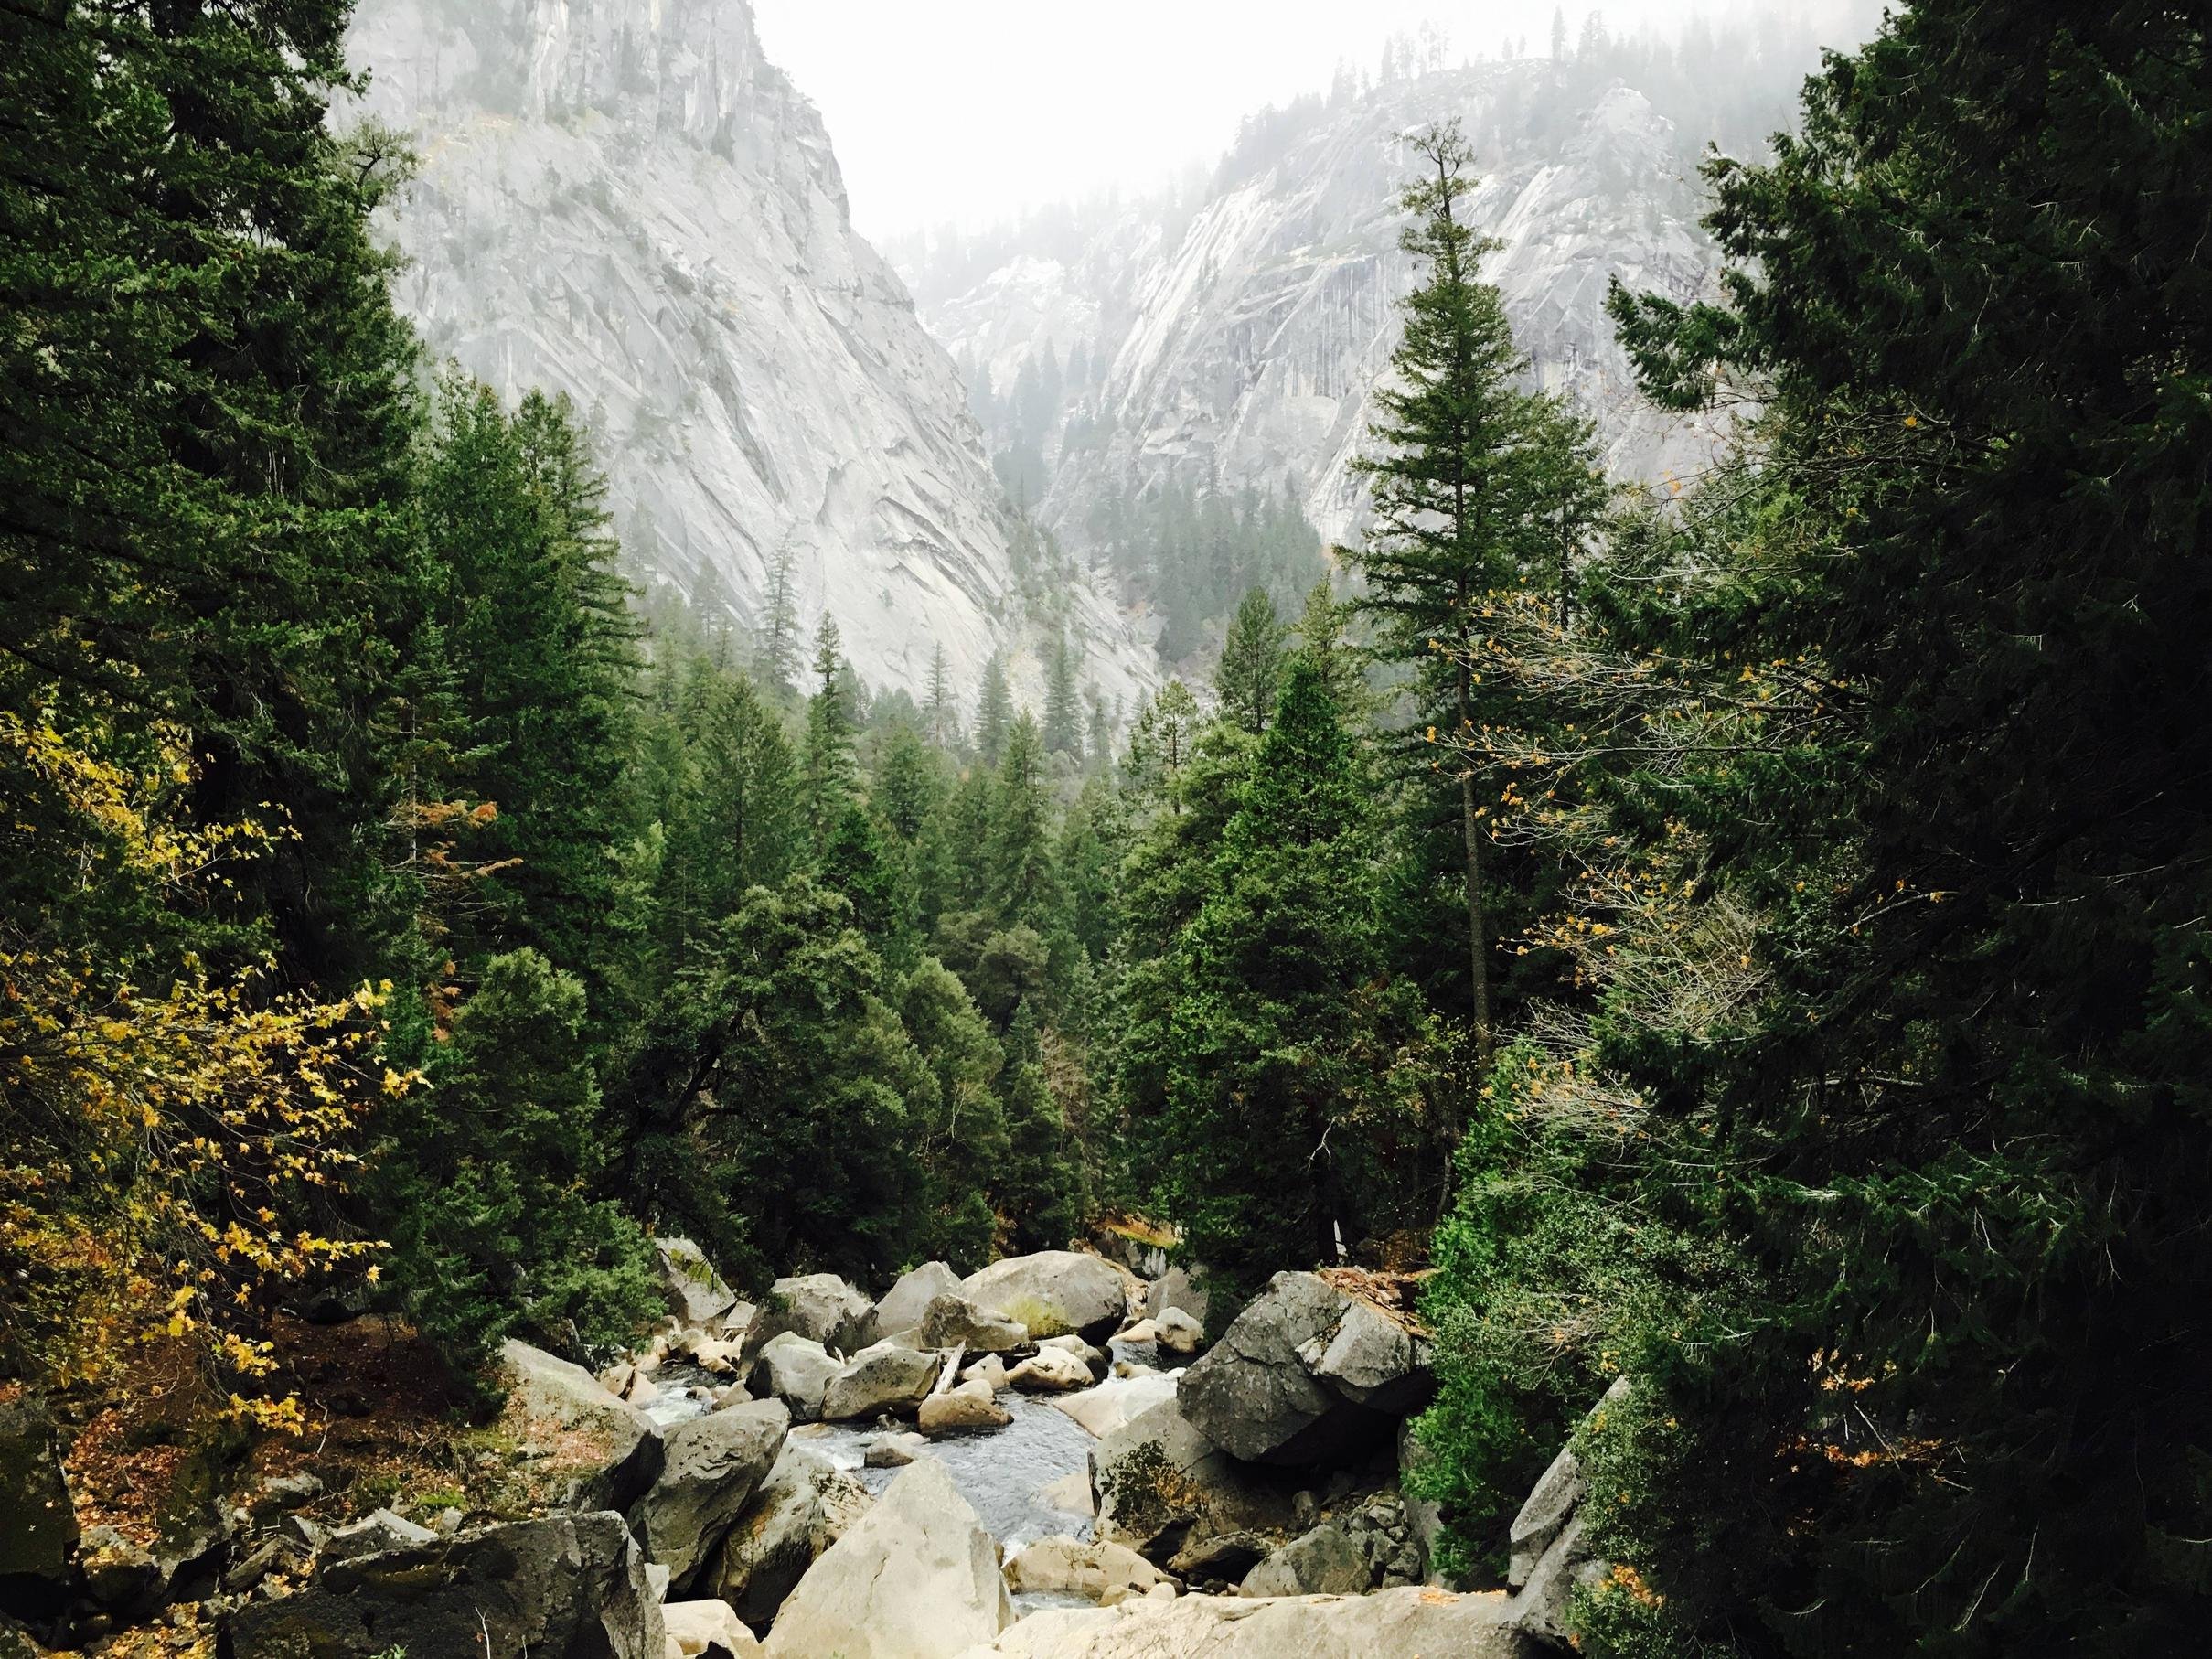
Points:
point(1396, 1624)
point(1326, 1561)
point(1114, 1405)
point(951, 1320)
point(886, 1378)
point(823, 1308)
point(916, 1577)
point(966, 1410)
point(707, 1630)
point(1306, 1374)
point(1179, 1289)
point(804, 1506)
point(696, 1291)
point(714, 1465)
point(796, 1371)
point(1163, 1487)
point(1049, 1371)
point(904, 1303)
point(571, 1586)
point(1054, 1293)
point(39, 1541)
point(1100, 1570)
point(616, 1447)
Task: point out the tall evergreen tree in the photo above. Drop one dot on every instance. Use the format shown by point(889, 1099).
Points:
point(1474, 481)
point(1063, 705)
point(994, 712)
point(1024, 884)
point(777, 653)
point(1251, 663)
point(940, 705)
point(831, 774)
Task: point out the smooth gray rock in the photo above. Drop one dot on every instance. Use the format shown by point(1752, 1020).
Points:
point(916, 1577)
point(1102, 1571)
point(1549, 1554)
point(1180, 1289)
point(951, 1320)
point(696, 1291)
point(714, 1465)
point(802, 1508)
point(1394, 1624)
point(1324, 1562)
point(886, 1378)
point(1256, 1392)
point(1178, 1333)
point(903, 1305)
point(797, 1372)
point(823, 1308)
point(374, 1534)
point(571, 1586)
point(1054, 1293)
point(625, 1455)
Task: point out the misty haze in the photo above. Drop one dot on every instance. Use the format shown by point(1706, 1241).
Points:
point(927, 830)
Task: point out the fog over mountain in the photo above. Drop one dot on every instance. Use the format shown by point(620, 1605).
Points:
point(635, 205)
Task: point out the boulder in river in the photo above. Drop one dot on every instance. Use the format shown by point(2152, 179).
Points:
point(916, 1577)
point(572, 1585)
point(1262, 1393)
point(1054, 1293)
point(962, 1411)
point(951, 1320)
point(796, 1371)
point(714, 1465)
point(1326, 1561)
point(1161, 1485)
point(1394, 1624)
point(886, 1378)
point(1049, 1371)
point(904, 1303)
point(801, 1509)
point(1179, 1288)
point(824, 1308)
point(1110, 1405)
point(1178, 1333)
point(1102, 1571)
point(616, 1447)
point(696, 1291)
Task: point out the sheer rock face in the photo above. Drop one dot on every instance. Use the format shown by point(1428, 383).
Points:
point(1245, 346)
point(624, 201)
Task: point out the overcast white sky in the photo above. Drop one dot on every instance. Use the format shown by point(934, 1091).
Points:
point(972, 109)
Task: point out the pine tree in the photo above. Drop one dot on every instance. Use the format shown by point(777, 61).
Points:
point(1023, 889)
point(830, 776)
point(1282, 1033)
point(1474, 482)
point(1040, 1184)
point(940, 705)
point(994, 712)
point(778, 651)
point(1063, 707)
point(1251, 663)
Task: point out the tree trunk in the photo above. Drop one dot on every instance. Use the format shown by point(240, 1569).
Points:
point(1478, 931)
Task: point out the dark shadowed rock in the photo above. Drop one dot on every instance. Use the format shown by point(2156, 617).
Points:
point(40, 1534)
point(1163, 1486)
point(567, 1586)
point(1258, 1393)
point(714, 1465)
point(801, 1509)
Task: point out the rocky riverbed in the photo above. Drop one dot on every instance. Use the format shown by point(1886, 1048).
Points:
point(1051, 1456)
